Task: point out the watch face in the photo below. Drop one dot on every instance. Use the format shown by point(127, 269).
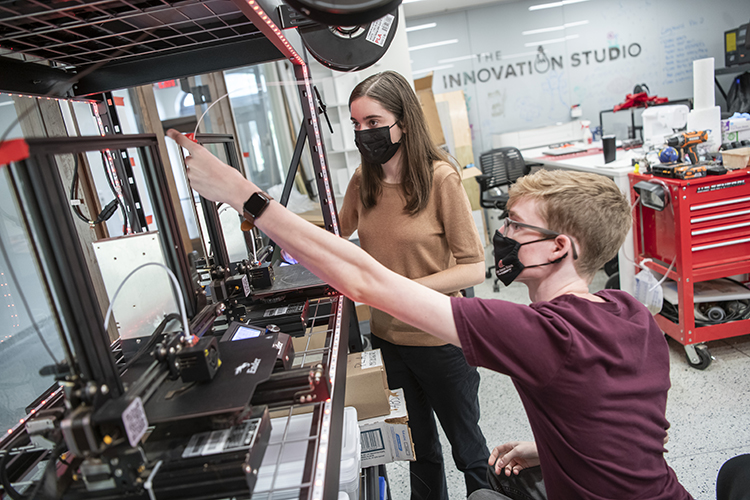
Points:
point(255, 204)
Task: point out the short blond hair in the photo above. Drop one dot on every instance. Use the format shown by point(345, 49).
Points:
point(587, 207)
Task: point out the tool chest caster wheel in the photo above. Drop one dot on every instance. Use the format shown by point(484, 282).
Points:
point(698, 356)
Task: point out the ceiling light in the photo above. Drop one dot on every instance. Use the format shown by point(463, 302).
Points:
point(434, 44)
point(420, 27)
point(549, 42)
point(554, 4)
point(555, 28)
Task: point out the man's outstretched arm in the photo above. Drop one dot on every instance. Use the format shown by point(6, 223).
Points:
point(343, 265)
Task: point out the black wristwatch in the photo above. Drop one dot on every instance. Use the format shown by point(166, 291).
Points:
point(255, 205)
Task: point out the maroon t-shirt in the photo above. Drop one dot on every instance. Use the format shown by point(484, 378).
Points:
point(593, 378)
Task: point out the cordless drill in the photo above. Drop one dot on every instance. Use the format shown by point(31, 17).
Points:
point(686, 142)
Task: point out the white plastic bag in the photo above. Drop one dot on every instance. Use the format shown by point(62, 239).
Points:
point(648, 291)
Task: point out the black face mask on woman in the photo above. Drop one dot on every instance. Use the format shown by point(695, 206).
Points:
point(375, 144)
point(507, 264)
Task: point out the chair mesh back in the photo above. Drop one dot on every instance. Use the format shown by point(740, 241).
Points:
point(503, 165)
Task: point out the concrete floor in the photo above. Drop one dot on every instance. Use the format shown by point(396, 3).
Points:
point(708, 411)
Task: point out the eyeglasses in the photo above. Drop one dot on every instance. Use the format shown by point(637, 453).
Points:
point(548, 233)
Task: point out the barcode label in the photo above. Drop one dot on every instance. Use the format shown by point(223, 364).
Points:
point(216, 442)
point(135, 422)
point(245, 285)
point(236, 436)
point(371, 359)
point(371, 441)
point(222, 441)
point(195, 446)
point(379, 30)
point(275, 312)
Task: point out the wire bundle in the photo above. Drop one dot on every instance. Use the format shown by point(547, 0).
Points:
point(108, 210)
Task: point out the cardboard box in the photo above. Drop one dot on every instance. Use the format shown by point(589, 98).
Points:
point(388, 438)
point(367, 384)
point(472, 186)
point(312, 340)
point(734, 159)
point(735, 130)
point(423, 88)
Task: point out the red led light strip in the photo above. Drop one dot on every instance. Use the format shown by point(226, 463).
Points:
point(260, 19)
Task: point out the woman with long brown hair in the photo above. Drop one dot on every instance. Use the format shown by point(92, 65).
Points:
point(410, 210)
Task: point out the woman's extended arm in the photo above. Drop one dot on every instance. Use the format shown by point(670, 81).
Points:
point(336, 261)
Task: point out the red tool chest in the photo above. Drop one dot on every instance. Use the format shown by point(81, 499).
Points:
point(706, 227)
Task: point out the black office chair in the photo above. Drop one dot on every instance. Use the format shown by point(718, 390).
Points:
point(501, 167)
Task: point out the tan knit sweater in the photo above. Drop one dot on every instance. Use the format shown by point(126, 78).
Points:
point(442, 235)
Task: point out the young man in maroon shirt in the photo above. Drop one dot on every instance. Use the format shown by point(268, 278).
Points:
point(592, 370)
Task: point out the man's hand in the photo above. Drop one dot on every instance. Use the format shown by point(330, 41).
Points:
point(514, 456)
point(212, 178)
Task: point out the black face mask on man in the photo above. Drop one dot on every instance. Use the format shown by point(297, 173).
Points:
point(507, 264)
point(375, 144)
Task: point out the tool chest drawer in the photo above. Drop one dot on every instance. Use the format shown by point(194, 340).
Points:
point(720, 230)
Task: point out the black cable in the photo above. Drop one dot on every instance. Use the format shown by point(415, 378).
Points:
point(15, 494)
point(106, 213)
point(7, 487)
point(126, 221)
point(25, 304)
point(152, 339)
point(48, 469)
